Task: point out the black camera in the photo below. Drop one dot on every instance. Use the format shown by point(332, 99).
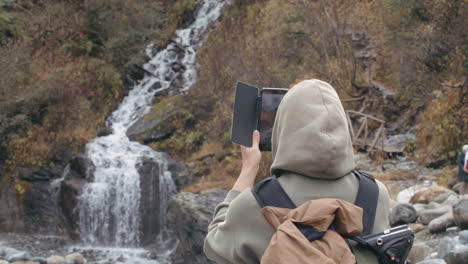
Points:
point(391, 246)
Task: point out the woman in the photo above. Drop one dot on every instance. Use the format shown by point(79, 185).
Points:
point(312, 150)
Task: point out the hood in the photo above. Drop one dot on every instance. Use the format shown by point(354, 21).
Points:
point(310, 135)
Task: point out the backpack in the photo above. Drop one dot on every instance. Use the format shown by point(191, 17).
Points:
point(462, 164)
point(390, 246)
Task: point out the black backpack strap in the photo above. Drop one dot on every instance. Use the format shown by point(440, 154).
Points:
point(367, 198)
point(269, 192)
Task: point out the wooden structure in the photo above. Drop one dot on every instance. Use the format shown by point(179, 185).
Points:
point(362, 137)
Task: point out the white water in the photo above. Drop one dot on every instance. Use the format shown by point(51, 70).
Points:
point(109, 207)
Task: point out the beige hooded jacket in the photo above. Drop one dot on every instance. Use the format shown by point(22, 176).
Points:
point(312, 147)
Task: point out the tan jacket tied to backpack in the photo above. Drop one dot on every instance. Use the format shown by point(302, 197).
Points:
point(289, 245)
point(312, 148)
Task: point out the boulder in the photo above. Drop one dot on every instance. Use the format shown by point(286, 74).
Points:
point(54, 259)
point(429, 194)
point(463, 237)
point(441, 223)
point(461, 188)
point(11, 215)
point(405, 195)
point(460, 213)
point(446, 245)
point(418, 252)
point(417, 227)
point(397, 143)
point(432, 261)
point(150, 200)
point(420, 207)
point(11, 254)
point(402, 214)
point(426, 216)
point(458, 256)
point(76, 174)
point(75, 258)
point(191, 214)
point(149, 130)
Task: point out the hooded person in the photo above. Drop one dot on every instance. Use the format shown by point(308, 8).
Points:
point(312, 150)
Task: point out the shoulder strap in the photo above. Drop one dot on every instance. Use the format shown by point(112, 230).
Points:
point(367, 198)
point(269, 192)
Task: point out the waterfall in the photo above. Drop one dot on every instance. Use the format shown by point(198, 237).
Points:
point(109, 207)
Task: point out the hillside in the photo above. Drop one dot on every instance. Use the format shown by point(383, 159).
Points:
point(404, 61)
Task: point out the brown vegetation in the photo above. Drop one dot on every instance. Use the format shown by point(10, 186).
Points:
point(409, 47)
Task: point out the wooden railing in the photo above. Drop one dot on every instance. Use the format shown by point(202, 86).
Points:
point(362, 138)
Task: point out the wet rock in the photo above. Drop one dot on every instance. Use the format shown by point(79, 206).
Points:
point(460, 214)
point(78, 172)
point(441, 223)
point(181, 173)
point(418, 252)
point(41, 210)
point(55, 260)
point(428, 195)
point(426, 216)
point(149, 130)
point(402, 214)
point(458, 256)
point(463, 237)
point(432, 261)
point(150, 200)
point(75, 258)
point(191, 213)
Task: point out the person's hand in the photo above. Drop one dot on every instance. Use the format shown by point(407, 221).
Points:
point(251, 158)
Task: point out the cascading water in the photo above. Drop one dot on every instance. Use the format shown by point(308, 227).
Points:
point(109, 207)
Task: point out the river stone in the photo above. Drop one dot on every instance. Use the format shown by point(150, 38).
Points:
point(420, 207)
point(418, 252)
point(75, 258)
point(441, 198)
point(460, 214)
point(429, 195)
point(24, 262)
point(191, 213)
point(432, 261)
point(11, 254)
point(446, 245)
point(461, 188)
point(55, 260)
point(463, 237)
point(458, 256)
point(417, 227)
point(402, 214)
point(426, 216)
point(40, 260)
point(405, 195)
point(441, 223)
